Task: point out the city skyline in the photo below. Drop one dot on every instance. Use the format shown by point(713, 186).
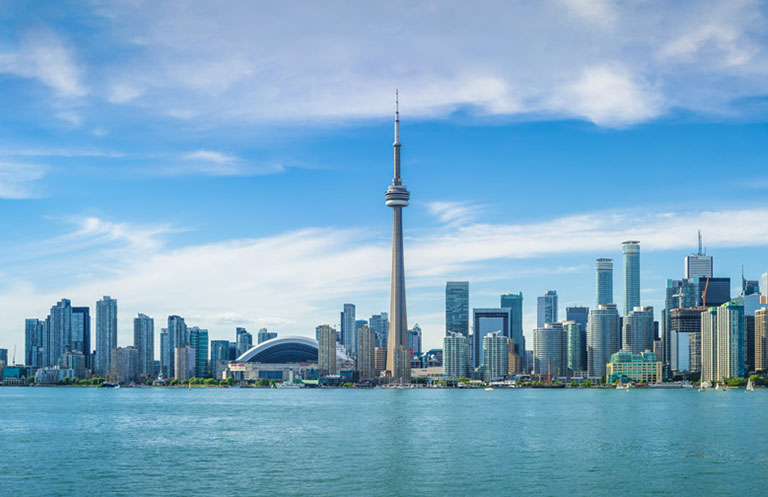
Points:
point(116, 179)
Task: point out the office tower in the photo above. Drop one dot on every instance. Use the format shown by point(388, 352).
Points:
point(380, 361)
point(603, 338)
point(379, 323)
point(263, 335)
point(456, 355)
point(749, 343)
point(326, 350)
point(686, 344)
point(644, 367)
point(198, 340)
point(576, 337)
point(414, 339)
point(514, 360)
point(718, 291)
point(550, 351)
point(457, 307)
point(3, 358)
point(366, 352)
point(488, 320)
point(604, 281)
point(730, 341)
point(144, 343)
point(232, 351)
point(244, 341)
point(33, 342)
point(219, 357)
point(81, 332)
point(631, 276)
point(59, 332)
point(514, 302)
point(495, 356)
point(123, 363)
point(106, 333)
point(166, 368)
point(184, 362)
point(397, 196)
point(761, 339)
point(348, 336)
point(637, 335)
point(698, 265)
point(579, 315)
point(546, 309)
point(178, 336)
point(359, 324)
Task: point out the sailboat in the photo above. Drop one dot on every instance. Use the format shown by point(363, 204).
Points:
point(750, 386)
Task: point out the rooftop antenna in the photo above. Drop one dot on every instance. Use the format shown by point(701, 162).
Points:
point(700, 252)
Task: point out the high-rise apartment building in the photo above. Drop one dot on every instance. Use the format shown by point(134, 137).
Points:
point(550, 351)
point(219, 357)
point(244, 341)
point(495, 356)
point(731, 351)
point(124, 364)
point(366, 352)
point(576, 337)
point(488, 320)
point(348, 330)
point(603, 338)
point(34, 330)
point(166, 368)
point(604, 281)
point(326, 350)
point(59, 332)
point(709, 345)
point(80, 340)
point(178, 336)
point(106, 333)
point(414, 339)
point(637, 335)
point(144, 343)
point(457, 307)
point(380, 361)
point(546, 309)
point(184, 362)
point(263, 335)
point(761, 339)
point(514, 302)
point(631, 276)
point(456, 355)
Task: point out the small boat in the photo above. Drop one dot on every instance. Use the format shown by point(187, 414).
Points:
point(719, 388)
point(489, 389)
point(623, 387)
point(750, 386)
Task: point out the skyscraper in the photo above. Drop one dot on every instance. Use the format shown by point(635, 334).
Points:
point(709, 345)
point(184, 361)
point(326, 350)
point(379, 323)
point(631, 277)
point(578, 314)
point(263, 335)
point(495, 356)
point(81, 333)
point(198, 340)
point(761, 339)
point(106, 333)
point(514, 302)
point(637, 335)
point(348, 330)
point(219, 355)
point(123, 364)
point(576, 338)
point(366, 352)
point(59, 332)
point(457, 307)
point(144, 343)
point(546, 309)
point(34, 330)
point(397, 196)
point(603, 338)
point(414, 339)
point(244, 341)
point(486, 321)
point(456, 356)
point(730, 341)
point(178, 336)
point(698, 265)
point(604, 281)
point(550, 350)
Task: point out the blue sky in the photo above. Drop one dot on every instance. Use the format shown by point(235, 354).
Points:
point(228, 163)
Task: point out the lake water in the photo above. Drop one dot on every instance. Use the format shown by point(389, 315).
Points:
point(157, 441)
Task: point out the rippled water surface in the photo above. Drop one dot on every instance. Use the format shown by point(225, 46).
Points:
point(155, 441)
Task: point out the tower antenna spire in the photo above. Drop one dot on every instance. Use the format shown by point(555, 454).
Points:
point(396, 180)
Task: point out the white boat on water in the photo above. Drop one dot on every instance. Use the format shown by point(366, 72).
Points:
point(750, 386)
point(489, 389)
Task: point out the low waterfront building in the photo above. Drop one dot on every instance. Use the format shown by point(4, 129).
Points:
point(124, 365)
point(626, 366)
point(53, 376)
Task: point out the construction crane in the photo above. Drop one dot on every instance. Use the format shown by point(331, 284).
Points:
point(704, 294)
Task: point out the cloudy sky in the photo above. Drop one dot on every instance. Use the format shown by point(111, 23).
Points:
point(227, 161)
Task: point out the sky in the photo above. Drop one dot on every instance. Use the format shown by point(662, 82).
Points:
point(227, 162)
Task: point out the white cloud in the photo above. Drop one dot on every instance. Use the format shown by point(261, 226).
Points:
point(454, 213)
point(19, 180)
point(211, 156)
point(45, 56)
point(122, 92)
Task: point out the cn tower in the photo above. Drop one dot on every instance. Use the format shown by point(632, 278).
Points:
point(398, 353)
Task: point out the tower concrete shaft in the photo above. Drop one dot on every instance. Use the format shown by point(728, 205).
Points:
point(398, 354)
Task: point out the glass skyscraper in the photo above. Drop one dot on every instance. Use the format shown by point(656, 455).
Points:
point(603, 338)
point(144, 342)
point(106, 334)
point(514, 302)
point(550, 350)
point(199, 341)
point(637, 335)
point(546, 309)
point(178, 336)
point(631, 276)
point(604, 281)
point(457, 307)
point(488, 321)
point(348, 330)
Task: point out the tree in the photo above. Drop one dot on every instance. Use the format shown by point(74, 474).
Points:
point(586, 384)
point(174, 382)
point(210, 382)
